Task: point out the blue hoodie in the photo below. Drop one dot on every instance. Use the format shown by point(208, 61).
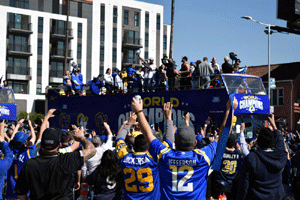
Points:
point(261, 173)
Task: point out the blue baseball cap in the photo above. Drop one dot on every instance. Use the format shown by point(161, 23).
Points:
point(192, 63)
point(20, 138)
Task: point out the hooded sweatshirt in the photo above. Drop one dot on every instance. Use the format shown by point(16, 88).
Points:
point(261, 173)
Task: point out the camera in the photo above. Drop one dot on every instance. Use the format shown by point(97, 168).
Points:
point(56, 112)
point(165, 61)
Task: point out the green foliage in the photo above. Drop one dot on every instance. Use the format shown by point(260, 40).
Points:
point(32, 116)
point(22, 115)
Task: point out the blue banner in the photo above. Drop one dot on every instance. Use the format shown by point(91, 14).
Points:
point(8, 106)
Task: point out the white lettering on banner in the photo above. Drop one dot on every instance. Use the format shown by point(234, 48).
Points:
point(4, 111)
point(136, 161)
point(251, 104)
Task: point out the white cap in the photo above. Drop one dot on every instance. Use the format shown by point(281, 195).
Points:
point(151, 58)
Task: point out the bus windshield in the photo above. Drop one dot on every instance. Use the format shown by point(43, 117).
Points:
point(255, 86)
point(7, 97)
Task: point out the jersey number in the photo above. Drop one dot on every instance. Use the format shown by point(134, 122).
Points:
point(140, 178)
point(230, 166)
point(179, 186)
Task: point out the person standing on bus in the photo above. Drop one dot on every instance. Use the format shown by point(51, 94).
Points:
point(150, 69)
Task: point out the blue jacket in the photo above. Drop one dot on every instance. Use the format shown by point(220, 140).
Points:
point(5, 163)
point(261, 173)
point(131, 71)
point(75, 79)
point(95, 86)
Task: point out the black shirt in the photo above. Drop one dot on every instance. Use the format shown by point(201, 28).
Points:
point(170, 67)
point(227, 68)
point(50, 176)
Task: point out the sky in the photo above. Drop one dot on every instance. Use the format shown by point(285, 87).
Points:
point(214, 28)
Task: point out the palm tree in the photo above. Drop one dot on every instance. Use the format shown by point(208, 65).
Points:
point(172, 29)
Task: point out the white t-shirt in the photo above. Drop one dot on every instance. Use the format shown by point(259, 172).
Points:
point(150, 72)
point(108, 78)
point(118, 81)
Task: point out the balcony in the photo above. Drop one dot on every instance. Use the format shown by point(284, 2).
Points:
point(19, 27)
point(61, 32)
point(18, 73)
point(56, 76)
point(132, 42)
point(60, 54)
point(19, 49)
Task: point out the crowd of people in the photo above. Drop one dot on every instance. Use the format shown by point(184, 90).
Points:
point(150, 78)
point(42, 162)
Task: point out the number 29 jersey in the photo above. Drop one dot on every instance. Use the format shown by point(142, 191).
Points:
point(183, 174)
point(141, 176)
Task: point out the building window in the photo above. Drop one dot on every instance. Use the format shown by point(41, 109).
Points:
point(115, 18)
point(147, 20)
point(40, 46)
point(132, 37)
point(129, 56)
point(146, 55)
point(115, 35)
point(56, 69)
point(165, 42)
point(136, 18)
point(79, 30)
point(39, 68)
point(79, 9)
point(101, 71)
point(40, 25)
point(18, 21)
point(18, 86)
point(20, 3)
point(158, 22)
point(114, 56)
point(277, 97)
point(146, 39)
point(17, 66)
point(102, 13)
point(102, 33)
point(18, 43)
point(102, 53)
point(79, 49)
point(126, 19)
point(38, 89)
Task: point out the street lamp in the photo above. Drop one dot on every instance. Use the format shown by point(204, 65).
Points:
point(269, 32)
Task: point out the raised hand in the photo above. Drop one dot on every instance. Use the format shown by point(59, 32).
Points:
point(167, 111)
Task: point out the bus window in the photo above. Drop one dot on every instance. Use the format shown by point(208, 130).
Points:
point(6, 97)
point(255, 86)
point(235, 84)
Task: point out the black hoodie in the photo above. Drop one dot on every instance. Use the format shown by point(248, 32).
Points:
point(261, 173)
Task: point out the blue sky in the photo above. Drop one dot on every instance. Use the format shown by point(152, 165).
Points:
point(213, 28)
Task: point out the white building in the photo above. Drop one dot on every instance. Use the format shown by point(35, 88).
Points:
point(103, 34)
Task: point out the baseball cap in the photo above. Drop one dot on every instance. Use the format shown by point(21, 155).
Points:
point(185, 136)
point(151, 58)
point(51, 138)
point(192, 63)
point(20, 138)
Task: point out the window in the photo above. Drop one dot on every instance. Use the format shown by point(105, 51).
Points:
point(136, 18)
point(115, 18)
point(38, 89)
point(115, 35)
point(102, 33)
point(59, 27)
point(114, 57)
point(79, 9)
point(18, 86)
point(18, 21)
point(158, 22)
point(40, 46)
point(126, 20)
point(147, 20)
point(40, 25)
point(102, 13)
point(101, 53)
point(18, 43)
point(39, 68)
point(165, 42)
point(56, 69)
point(79, 30)
point(146, 39)
point(17, 66)
point(132, 37)
point(277, 97)
point(146, 55)
point(79, 47)
point(101, 71)
point(20, 3)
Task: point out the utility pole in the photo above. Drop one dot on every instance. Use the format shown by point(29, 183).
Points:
point(172, 29)
point(67, 36)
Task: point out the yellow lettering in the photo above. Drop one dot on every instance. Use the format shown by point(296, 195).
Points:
point(162, 101)
point(149, 102)
point(155, 101)
point(172, 100)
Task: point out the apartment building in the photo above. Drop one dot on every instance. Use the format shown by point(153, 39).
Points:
point(102, 34)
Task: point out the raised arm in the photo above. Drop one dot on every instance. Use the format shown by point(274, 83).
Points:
point(8, 154)
point(45, 123)
point(131, 121)
point(88, 147)
point(32, 133)
point(16, 129)
point(187, 119)
point(137, 107)
point(142, 59)
point(167, 111)
point(108, 144)
point(243, 141)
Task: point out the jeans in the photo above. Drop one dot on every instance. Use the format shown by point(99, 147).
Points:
point(147, 84)
point(204, 80)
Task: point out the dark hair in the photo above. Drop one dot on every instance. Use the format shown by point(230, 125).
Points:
point(109, 166)
point(185, 58)
point(288, 197)
point(140, 144)
point(64, 137)
point(107, 70)
point(129, 141)
point(265, 138)
point(205, 58)
point(231, 141)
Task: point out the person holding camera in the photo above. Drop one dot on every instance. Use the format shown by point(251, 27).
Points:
point(150, 69)
point(226, 67)
point(170, 71)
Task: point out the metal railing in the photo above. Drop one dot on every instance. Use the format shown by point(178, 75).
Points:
point(19, 25)
point(19, 47)
point(61, 31)
point(18, 70)
point(60, 52)
point(132, 40)
point(56, 73)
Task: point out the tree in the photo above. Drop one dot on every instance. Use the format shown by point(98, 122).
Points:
point(172, 29)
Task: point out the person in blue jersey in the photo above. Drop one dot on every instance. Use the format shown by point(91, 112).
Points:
point(224, 179)
point(183, 172)
point(131, 77)
point(7, 159)
point(23, 149)
point(95, 85)
point(76, 82)
point(139, 168)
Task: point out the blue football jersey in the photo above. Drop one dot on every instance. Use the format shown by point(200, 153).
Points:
point(20, 157)
point(141, 177)
point(183, 174)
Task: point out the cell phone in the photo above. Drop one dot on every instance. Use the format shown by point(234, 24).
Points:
point(185, 111)
point(156, 126)
point(89, 131)
point(137, 98)
point(56, 112)
point(70, 128)
point(25, 122)
point(248, 124)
